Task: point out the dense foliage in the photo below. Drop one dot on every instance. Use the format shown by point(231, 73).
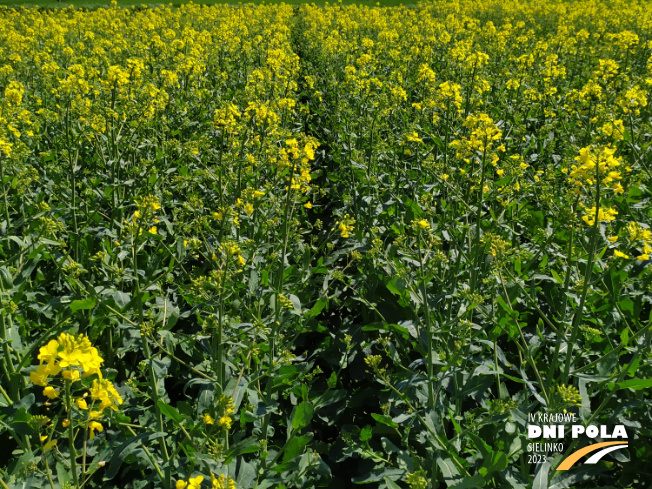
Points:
point(303, 247)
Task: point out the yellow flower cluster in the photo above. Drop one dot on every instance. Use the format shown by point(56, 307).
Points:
point(144, 215)
point(104, 391)
point(73, 356)
point(642, 237)
point(231, 248)
point(148, 204)
point(345, 226)
point(14, 92)
point(221, 482)
point(228, 408)
point(600, 164)
point(297, 157)
point(569, 395)
point(604, 215)
point(5, 147)
point(483, 133)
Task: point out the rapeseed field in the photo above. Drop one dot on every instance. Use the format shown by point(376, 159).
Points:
point(276, 246)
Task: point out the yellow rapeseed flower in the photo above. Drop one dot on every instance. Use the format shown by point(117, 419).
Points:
point(50, 392)
point(94, 426)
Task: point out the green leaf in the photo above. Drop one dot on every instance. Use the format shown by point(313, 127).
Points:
point(170, 412)
point(88, 303)
point(62, 474)
point(302, 415)
point(6, 279)
point(496, 462)
point(378, 475)
point(541, 476)
point(127, 448)
point(254, 280)
point(317, 308)
point(386, 420)
point(365, 433)
point(503, 304)
point(627, 305)
point(636, 384)
point(473, 481)
point(391, 484)
point(295, 446)
point(121, 299)
point(578, 474)
point(248, 445)
point(296, 302)
point(448, 469)
point(246, 475)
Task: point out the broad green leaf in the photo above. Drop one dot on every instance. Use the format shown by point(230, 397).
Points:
point(170, 412)
point(296, 446)
point(88, 303)
point(302, 415)
point(476, 480)
point(386, 420)
point(128, 447)
point(365, 433)
point(636, 384)
point(541, 476)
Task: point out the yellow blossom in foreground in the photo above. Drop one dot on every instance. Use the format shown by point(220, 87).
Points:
point(208, 419)
point(71, 375)
point(620, 254)
point(345, 226)
point(604, 215)
point(222, 482)
point(195, 482)
point(103, 390)
point(94, 426)
point(225, 421)
point(67, 352)
point(50, 392)
point(643, 257)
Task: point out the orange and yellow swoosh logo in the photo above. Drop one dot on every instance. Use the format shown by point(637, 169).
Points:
point(607, 446)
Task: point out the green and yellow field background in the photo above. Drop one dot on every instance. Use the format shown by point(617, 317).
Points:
point(336, 245)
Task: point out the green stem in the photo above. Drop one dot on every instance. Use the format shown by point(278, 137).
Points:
point(220, 329)
point(8, 368)
point(478, 222)
point(167, 480)
point(154, 388)
point(289, 207)
point(577, 319)
point(71, 435)
point(4, 191)
point(149, 455)
point(429, 366)
point(47, 470)
point(443, 443)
